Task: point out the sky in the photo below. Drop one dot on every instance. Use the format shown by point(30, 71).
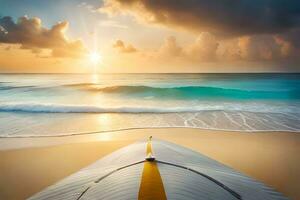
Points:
point(155, 36)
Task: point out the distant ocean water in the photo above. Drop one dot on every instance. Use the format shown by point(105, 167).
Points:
point(55, 104)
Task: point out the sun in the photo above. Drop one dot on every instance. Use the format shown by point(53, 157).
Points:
point(95, 57)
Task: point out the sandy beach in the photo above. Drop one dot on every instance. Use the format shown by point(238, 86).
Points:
point(28, 165)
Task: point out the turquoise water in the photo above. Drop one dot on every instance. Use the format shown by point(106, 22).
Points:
point(200, 92)
point(250, 102)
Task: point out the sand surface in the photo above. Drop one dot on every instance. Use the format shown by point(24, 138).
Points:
point(27, 165)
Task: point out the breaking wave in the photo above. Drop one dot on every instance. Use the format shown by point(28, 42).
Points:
point(191, 92)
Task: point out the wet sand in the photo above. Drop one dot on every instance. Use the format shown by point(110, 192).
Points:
point(27, 165)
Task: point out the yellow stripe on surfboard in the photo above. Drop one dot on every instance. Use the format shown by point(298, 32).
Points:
point(151, 187)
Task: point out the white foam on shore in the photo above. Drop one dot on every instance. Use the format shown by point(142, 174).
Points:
point(33, 107)
point(66, 124)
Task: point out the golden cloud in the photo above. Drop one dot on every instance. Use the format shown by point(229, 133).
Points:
point(123, 48)
point(30, 34)
point(207, 48)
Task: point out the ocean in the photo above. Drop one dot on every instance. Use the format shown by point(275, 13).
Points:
point(67, 104)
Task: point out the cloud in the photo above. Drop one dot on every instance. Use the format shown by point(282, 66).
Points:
point(204, 48)
point(265, 31)
point(259, 48)
point(225, 18)
point(170, 47)
point(123, 48)
point(207, 48)
point(30, 34)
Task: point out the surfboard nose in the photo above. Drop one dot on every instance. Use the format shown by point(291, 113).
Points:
point(150, 158)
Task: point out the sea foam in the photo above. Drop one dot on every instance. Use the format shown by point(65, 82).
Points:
point(33, 107)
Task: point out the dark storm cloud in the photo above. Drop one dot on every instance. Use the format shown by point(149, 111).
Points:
point(30, 34)
point(221, 17)
point(236, 30)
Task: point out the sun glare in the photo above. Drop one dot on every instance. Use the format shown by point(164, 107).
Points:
point(95, 57)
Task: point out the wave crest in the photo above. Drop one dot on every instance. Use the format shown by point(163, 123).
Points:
point(190, 92)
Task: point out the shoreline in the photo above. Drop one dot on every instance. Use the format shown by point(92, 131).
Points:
point(8, 142)
point(271, 157)
point(138, 128)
